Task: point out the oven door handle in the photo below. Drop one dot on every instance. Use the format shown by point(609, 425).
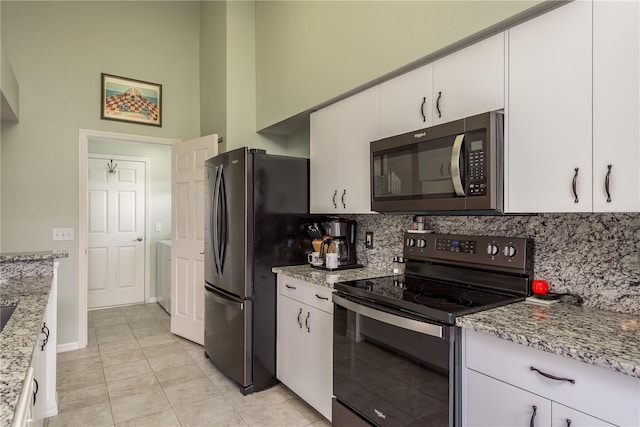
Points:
point(456, 174)
point(391, 319)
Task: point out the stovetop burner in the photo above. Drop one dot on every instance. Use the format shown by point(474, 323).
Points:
point(436, 300)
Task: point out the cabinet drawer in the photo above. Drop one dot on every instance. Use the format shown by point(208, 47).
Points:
point(605, 394)
point(292, 288)
point(319, 297)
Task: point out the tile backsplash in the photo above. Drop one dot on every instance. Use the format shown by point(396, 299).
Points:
point(594, 255)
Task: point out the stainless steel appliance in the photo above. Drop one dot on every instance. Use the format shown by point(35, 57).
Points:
point(453, 167)
point(254, 217)
point(396, 349)
point(341, 239)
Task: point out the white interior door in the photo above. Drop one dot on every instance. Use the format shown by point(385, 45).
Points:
point(187, 235)
point(116, 231)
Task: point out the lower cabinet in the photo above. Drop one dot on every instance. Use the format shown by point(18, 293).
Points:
point(508, 384)
point(304, 341)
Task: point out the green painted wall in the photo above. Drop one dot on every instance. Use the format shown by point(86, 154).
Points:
point(309, 52)
point(159, 189)
point(57, 51)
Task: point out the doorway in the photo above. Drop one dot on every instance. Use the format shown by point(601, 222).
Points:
point(86, 139)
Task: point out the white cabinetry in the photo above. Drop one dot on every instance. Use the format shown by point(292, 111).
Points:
point(616, 105)
point(469, 81)
point(573, 110)
point(503, 381)
point(304, 341)
point(405, 102)
point(339, 151)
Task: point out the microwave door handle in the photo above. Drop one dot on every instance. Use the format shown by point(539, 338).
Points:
point(456, 175)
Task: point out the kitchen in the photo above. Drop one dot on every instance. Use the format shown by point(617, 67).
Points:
point(560, 260)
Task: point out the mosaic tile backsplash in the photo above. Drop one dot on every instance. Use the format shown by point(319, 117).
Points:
point(594, 255)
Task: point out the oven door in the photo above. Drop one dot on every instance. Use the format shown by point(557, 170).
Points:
point(393, 369)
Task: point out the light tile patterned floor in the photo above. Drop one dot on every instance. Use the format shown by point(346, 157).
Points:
point(134, 372)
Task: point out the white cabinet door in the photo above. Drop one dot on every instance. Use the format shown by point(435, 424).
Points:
point(318, 360)
point(470, 81)
point(358, 128)
point(616, 105)
point(563, 416)
point(291, 364)
point(324, 164)
point(405, 102)
point(549, 112)
point(492, 403)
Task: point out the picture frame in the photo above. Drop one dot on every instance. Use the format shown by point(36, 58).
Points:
point(130, 100)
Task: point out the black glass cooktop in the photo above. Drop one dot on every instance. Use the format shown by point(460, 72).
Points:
point(434, 299)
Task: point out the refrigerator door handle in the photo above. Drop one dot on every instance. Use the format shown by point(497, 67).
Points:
point(225, 219)
point(224, 301)
point(215, 221)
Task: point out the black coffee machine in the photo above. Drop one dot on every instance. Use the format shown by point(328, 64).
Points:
point(341, 238)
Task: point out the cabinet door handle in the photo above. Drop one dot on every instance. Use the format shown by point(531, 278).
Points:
point(306, 321)
point(335, 193)
point(568, 422)
point(35, 392)
point(533, 416)
point(574, 186)
point(606, 183)
point(45, 331)
point(438, 104)
point(299, 322)
point(344, 193)
point(290, 287)
point(552, 377)
point(324, 298)
point(424, 101)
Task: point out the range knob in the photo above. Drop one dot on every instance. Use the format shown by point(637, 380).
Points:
point(493, 249)
point(411, 242)
point(422, 243)
point(509, 251)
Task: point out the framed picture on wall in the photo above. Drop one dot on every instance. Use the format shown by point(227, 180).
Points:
point(129, 100)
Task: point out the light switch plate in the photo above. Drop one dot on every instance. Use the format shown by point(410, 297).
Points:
point(63, 234)
point(368, 241)
point(158, 226)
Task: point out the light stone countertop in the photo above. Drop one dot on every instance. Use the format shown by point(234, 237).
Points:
point(598, 337)
point(328, 278)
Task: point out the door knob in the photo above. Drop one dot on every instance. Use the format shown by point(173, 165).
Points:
point(139, 239)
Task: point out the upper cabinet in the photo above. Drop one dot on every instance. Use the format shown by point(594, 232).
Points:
point(469, 81)
point(572, 111)
point(616, 106)
point(339, 149)
point(405, 102)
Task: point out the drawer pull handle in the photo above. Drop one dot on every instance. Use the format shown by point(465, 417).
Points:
point(324, 298)
point(290, 287)
point(533, 416)
point(552, 377)
point(299, 322)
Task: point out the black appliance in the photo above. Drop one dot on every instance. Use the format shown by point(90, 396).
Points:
point(396, 349)
point(455, 167)
point(341, 239)
point(255, 210)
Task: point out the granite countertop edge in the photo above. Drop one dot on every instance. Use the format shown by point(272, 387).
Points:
point(32, 256)
point(597, 337)
point(327, 278)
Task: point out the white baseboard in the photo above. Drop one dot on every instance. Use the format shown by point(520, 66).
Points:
point(52, 409)
point(62, 348)
point(153, 299)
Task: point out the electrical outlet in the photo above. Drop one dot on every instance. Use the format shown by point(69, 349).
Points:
point(63, 234)
point(368, 241)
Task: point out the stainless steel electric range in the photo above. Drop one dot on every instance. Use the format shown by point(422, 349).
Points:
point(396, 349)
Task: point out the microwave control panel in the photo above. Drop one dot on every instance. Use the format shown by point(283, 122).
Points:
point(477, 169)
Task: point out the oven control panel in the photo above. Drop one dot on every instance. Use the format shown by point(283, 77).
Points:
point(513, 253)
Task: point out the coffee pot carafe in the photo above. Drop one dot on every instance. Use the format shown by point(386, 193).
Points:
point(335, 245)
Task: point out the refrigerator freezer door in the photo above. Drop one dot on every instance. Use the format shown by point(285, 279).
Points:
point(227, 336)
point(227, 210)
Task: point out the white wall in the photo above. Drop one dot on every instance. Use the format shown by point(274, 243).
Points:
point(57, 51)
point(159, 189)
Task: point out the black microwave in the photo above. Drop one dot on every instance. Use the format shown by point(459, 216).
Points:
point(452, 168)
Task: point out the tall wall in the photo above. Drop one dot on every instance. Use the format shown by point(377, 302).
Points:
point(309, 52)
point(57, 51)
point(159, 184)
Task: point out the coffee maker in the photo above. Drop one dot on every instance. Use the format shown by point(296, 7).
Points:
point(341, 239)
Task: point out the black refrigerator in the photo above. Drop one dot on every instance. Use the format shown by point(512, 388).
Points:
point(255, 209)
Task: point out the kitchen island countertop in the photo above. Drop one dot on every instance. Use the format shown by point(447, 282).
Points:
point(328, 278)
point(601, 338)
